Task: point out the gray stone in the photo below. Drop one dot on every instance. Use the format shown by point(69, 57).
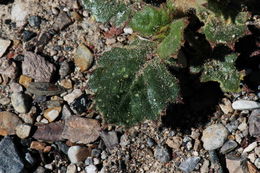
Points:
point(228, 146)
point(110, 139)
point(36, 67)
point(189, 164)
point(29, 158)
point(150, 142)
point(91, 169)
point(124, 141)
point(10, 160)
point(214, 136)
point(34, 21)
point(66, 112)
point(64, 69)
point(20, 102)
point(257, 163)
point(245, 105)
point(78, 153)
point(19, 12)
point(4, 44)
point(162, 154)
point(232, 126)
point(61, 22)
point(254, 123)
point(89, 161)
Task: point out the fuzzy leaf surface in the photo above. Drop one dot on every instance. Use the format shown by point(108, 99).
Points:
point(106, 10)
point(223, 72)
point(149, 20)
point(128, 89)
point(174, 40)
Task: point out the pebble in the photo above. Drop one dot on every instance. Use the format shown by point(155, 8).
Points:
point(78, 153)
point(34, 21)
point(30, 159)
point(150, 142)
point(243, 126)
point(10, 160)
point(257, 151)
point(245, 105)
point(89, 161)
point(5, 101)
point(62, 21)
point(162, 154)
point(228, 146)
point(50, 132)
point(96, 161)
point(205, 167)
point(174, 142)
point(23, 131)
point(214, 136)
point(128, 30)
point(89, 130)
point(64, 69)
point(8, 68)
point(91, 169)
point(254, 123)
point(103, 155)
point(8, 123)
point(72, 96)
point(96, 153)
point(19, 12)
point(4, 44)
point(20, 102)
point(36, 145)
point(110, 139)
point(234, 165)
point(80, 104)
point(72, 168)
point(25, 80)
point(52, 113)
point(250, 147)
point(44, 89)
point(257, 163)
point(36, 67)
point(28, 35)
point(83, 58)
point(16, 87)
point(252, 157)
point(189, 164)
point(124, 141)
point(226, 106)
point(66, 112)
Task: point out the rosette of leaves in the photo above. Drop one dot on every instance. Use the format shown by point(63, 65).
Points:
point(224, 72)
point(129, 88)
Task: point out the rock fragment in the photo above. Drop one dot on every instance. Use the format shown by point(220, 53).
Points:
point(44, 89)
point(228, 146)
point(254, 123)
point(8, 123)
point(91, 169)
point(25, 80)
point(4, 44)
point(89, 130)
point(36, 67)
point(10, 160)
point(189, 164)
point(83, 58)
point(20, 102)
point(73, 95)
point(234, 165)
point(8, 68)
point(19, 12)
point(50, 132)
point(78, 153)
point(52, 113)
point(162, 154)
point(110, 139)
point(245, 105)
point(64, 69)
point(61, 22)
point(214, 136)
point(23, 130)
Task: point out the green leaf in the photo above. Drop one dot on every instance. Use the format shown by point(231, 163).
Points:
point(107, 10)
point(128, 89)
point(174, 40)
point(223, 72)
point(219, 30)
point(149, 20)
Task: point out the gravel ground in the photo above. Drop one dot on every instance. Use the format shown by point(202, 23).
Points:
point(48, 128)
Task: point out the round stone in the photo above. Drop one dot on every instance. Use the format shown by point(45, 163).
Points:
point(214, 136)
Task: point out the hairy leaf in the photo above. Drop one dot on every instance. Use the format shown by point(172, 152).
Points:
point(107, 10)
point(128, 89)
point(174, 40)
point(224, 72)
point(149, 20)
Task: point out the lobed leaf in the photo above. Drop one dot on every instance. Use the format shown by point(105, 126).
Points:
point(128, 89)
point(223, 72)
